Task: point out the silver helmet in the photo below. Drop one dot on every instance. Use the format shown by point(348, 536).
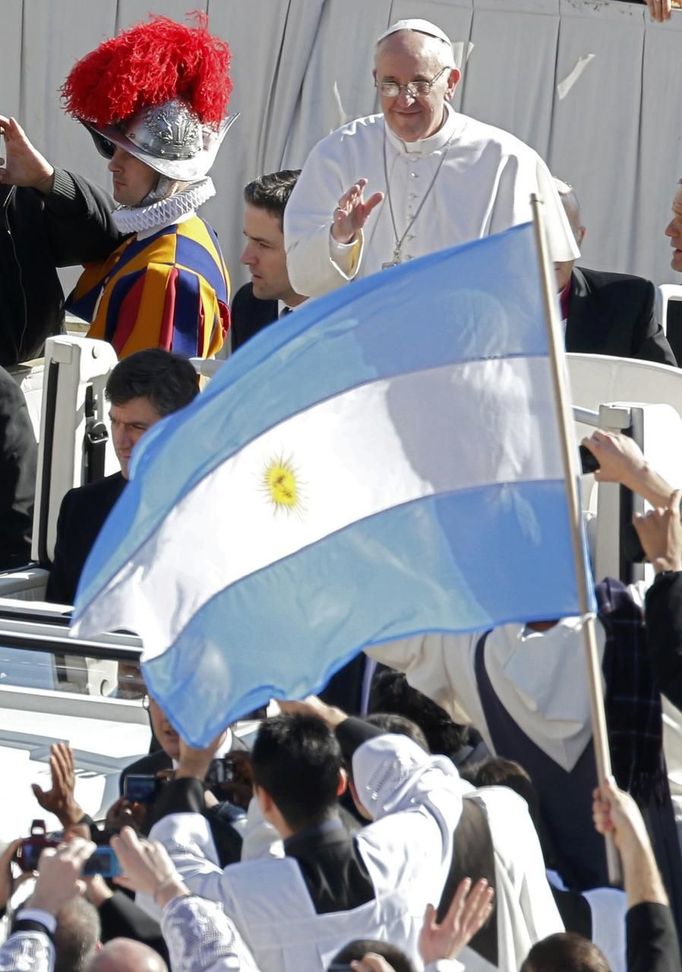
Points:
point(169, 138)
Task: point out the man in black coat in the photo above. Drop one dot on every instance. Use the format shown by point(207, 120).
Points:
point(607, 313)
point(141, 389)
point(67, 224)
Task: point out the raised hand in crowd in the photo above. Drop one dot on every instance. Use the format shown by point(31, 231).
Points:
point(352, 212)
point(622, 461)
point(59, 875)
point(616, 813)
point(240, 790)
point(122, 813)
point(470, 909)
point(194, 763)
point(8, 883)
point(23, 164)
point(659, 9)
point(660, 533)
point(312, 706)
point(60, 799)
point(147, 868)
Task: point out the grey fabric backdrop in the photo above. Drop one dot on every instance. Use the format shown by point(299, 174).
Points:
point(593, 85)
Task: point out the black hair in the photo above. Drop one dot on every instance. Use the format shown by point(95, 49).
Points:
point(271, 192)
point(400, 725)
point(392, 693)
point(168, 380)
point(297, 760)
point(565, 952)
point(498, 771)
point(360, 947)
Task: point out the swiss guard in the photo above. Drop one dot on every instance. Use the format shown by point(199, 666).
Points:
point(155, 101)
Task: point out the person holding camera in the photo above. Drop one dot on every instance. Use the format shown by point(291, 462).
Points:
point(32, 941)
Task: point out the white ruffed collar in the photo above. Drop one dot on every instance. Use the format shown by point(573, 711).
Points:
point(163, 212)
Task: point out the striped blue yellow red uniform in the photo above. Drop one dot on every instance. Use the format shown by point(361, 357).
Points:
point(168, 290)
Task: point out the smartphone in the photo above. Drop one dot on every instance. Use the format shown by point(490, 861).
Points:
point(140, 788)
point(220, 771)
point(30, 849)
point(103, 862)
point(588, 462)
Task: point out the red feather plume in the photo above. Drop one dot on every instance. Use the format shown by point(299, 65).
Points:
point(148, 64)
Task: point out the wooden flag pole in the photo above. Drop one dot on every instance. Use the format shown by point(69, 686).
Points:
point(569, 452)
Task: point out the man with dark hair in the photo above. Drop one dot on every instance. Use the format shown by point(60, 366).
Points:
point(331, 886)
point(565, 950)
point(391, 692)
point(141, 389)
point(298, 748)
point(256, 304)
point(356, 951)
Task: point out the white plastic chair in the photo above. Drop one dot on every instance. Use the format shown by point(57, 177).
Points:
point(664, 294)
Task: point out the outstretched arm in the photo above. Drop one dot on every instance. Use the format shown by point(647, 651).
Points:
point(650, 932)
point(659, 9)
point(622, 461)
point(23, 164)
point(60, 798)
point(468, 912)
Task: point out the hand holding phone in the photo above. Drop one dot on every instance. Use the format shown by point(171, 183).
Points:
point(103, 862)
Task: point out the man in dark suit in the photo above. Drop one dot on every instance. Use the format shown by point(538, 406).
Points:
point(141, 389)
point(607, 313)
point(257, 304)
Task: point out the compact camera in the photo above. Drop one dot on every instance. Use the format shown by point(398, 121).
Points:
point(141, 788)
point(31, 848)
point(220, 771)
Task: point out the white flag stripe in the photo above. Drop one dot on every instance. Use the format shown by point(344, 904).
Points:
point(352, 456)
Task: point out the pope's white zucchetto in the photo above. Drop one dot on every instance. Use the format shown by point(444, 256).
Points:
point(420, 26)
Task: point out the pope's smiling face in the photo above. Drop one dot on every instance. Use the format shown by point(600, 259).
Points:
point(411, 56)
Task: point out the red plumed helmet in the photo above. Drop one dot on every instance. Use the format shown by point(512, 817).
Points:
point(147, 65)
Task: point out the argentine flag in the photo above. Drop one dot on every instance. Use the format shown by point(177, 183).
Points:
point(384, 461)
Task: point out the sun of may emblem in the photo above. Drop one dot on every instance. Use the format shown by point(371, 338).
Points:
point(282, 485)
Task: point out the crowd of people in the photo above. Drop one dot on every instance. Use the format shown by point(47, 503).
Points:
point(459, 823)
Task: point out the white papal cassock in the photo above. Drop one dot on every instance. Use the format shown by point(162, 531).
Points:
point(482, 186)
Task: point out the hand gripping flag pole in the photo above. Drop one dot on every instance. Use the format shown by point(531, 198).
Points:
point(341, 484)
point(556, 352)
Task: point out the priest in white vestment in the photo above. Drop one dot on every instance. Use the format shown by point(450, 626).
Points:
point(434, 178)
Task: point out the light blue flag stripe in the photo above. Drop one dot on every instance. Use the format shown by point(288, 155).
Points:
point(466, 312)
point(424, 566)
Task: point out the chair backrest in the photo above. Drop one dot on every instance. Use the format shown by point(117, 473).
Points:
point(651, 398)
point(73, 410)
point(668, 313)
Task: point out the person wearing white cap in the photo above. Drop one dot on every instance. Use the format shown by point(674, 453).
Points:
point(416, 178)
